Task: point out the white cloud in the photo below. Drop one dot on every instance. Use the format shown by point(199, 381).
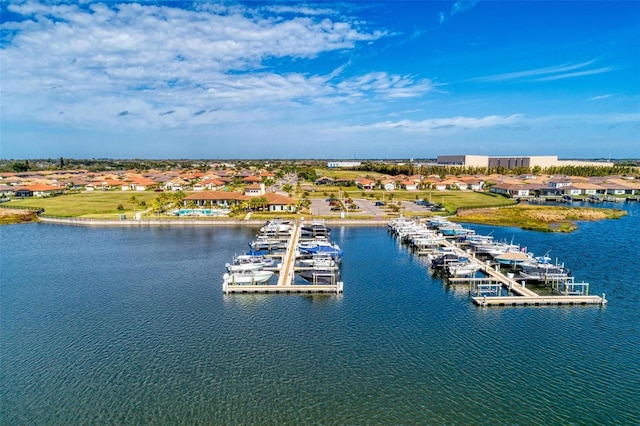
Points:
point(577, 74)
point(81, 64)
point(458, 7)
point(597, 98)
point(555, 72)
point(462, 6)
point(437, 124)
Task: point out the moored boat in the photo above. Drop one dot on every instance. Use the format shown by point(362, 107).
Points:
point(246, 262)
point(247, 277)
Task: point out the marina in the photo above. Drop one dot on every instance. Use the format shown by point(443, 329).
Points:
point(168, 345)
point(454, 255)
point(309, 261)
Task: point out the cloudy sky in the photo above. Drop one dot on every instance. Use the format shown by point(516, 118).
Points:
point(351, 79)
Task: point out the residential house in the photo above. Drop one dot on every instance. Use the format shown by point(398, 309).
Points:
point(251, 179)
point(409, 185)
point(137, 183)
point(473, 184)
point(365, 184)
point(255, 190)
point(220, 199)
point(280, 203)
point(38, 190)
point(324, 180)
point(213, 184)
point(511, 190)
point(174, 185)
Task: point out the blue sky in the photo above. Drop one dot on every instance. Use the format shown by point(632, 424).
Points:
point(354, 79)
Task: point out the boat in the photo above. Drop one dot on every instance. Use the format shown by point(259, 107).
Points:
point(455, 230)
point(318, 260)
point(320, 245)
point(439, 261)
point(247, 277)
point(516, 258)
point(276, 227)
point(543, 273)
point(263, 242)
point(462, 268)
point(246, 262)
point(494, 249)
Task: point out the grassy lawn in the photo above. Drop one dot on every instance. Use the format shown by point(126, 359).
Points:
point(104, 204)
point(537, 218)
point(88, 204)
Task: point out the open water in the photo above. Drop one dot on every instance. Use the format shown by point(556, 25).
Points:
point(129, 326)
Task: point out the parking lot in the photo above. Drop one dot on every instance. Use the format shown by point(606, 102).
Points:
point(321, 207)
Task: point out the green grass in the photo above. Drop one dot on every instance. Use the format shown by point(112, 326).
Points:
point(87, 204)
point(104, 204)
point(538, 218)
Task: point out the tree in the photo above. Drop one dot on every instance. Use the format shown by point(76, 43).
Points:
point(287, 188)
point(20, 167)
point(133, 200)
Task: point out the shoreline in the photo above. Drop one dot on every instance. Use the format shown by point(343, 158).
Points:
point(177, 222)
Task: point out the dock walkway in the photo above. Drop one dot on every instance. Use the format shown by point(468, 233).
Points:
point(522, 296)
point(286, 276)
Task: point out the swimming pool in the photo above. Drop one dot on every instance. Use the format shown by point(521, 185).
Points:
point(201, 212)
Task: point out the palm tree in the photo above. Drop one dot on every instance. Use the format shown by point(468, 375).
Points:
point(133, 200)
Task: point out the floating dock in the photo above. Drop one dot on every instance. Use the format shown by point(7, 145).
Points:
point(494, 288)
point(286, 276)
point(520, 295)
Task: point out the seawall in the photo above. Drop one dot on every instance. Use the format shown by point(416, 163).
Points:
point(196, 222)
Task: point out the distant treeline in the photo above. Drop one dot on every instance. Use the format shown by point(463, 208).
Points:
point(306, 168)
point(442, 171)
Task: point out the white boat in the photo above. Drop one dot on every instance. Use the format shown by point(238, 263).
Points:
point(323, 260)
point(247, 262)
point(247, 277)
point(497, 248)
point(463, 268)
point(277, 226)
point(543, 273)
point(264, 242)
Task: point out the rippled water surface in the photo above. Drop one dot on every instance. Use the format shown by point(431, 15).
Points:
point(129, 326)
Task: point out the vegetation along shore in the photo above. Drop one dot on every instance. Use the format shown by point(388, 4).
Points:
point(537, 218)
point(369, 192)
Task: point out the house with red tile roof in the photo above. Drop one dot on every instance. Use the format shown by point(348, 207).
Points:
point(215, 199)
point(38, 190)
point(254, 190)
point(511, 190)
point(388, 184)
point(409, 185)
point(365, 184)
point(213, 184)
point(278, 203)
point(137, 183)
point(251, 179)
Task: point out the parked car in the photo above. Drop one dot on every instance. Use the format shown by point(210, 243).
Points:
point(379, 203)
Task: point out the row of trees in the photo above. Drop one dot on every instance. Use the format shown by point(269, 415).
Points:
point(442, 171)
